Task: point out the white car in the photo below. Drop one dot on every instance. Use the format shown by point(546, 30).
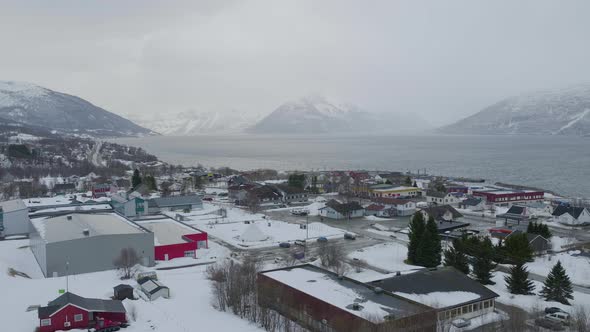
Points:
point(561, 317)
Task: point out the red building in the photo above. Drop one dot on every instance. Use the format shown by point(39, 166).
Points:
point(70, 311)
point(504, 196)
point(174, 240)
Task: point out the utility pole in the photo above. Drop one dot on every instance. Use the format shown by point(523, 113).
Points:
point(67, 276)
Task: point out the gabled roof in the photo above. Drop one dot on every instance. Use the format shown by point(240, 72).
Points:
point(572, 210)
point(375, 207)
point(151, 286)
point(172, 201)
point(437, 212)
point(122, 286)
point(91, 305)
point(265, 191)
point(289, 190)
point(445, 279)
point(343, 208)
point(516, 210)
point(471, 201)
point(437, 194)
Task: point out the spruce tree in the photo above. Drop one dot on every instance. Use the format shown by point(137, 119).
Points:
point(545, 232)
point(531, 228)
point(557, 286)
point(456, 259)
point(517, 281)
point(483, 264)
point(517, 249)
point(429, 250)
point(135, 179)
point(417, 227)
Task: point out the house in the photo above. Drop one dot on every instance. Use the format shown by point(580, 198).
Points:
point(264, 194)
point(70, 311)
point(80, 242)
point(401, 207)
point(376, 210)
point(64, 188)
point(122, 292)
point(14, 218)
point(571, 215)
point(153, 289)
point(473, 204)
point(539, 244)
point(450, 292)
point(442, 213)
point(442, 198)
point(291, 194)
point(239, 192)
point(101, 190)
point(321, 300)
point(184, 203)
point(515, 213)
point(173, 239)
point(128, 205)
point(122, 184)
point(385, 190)
point(337, 210)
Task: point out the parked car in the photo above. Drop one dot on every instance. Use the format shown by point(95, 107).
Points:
point(209, 199)
point(552, 310)
point(278, 259)
point(300, 243)
point(349, 236)
point(322, 239)
point(549, 324)
point(561, 317)
point(285, 245)
point(299, 255)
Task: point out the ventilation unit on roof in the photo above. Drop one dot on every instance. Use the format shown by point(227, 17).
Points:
point(86, 232)
point(378, 290)
point(69, 217)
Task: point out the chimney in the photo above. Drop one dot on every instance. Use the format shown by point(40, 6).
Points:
point(86, 232)
point(69, 217)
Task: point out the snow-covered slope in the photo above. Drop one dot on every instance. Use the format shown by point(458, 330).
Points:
point(317, 115)
point(193, 122)
point(557, 112)
point(33, 105)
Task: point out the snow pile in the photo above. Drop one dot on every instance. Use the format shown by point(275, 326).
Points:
point(441, 300)
point(253, 234)
point(388, 256)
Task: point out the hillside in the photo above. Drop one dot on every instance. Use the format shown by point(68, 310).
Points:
point(556, 112)
point(28, 104)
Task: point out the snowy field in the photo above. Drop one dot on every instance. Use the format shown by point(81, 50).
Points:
point(387, 256)
point(577, 267)
point(189, 303)
point(247, 230)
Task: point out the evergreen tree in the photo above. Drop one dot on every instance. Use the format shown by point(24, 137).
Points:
point(414, 184)
point(408, 181)
point(456, 259)
point(429, 249)
point(517, 281)
point(557, 286)
point(483, 264)
point(135, 179)
point(517, 249)
point(150, 182)
point(531, 228)
point(297, 180)
point(314, 184)
point(545, 232)
point(417, 227)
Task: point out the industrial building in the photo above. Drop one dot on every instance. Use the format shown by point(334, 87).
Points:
point(174, 203)
point(81, 243)
point(14, 218)
point(505, 197)
point(173, 239)
point(321, 300)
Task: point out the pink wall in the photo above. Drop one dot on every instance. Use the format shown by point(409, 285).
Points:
point(177, 250)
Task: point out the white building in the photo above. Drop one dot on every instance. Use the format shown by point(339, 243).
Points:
point(337, 210)
point(570, 215)
point(442, 198)
point(14, 218)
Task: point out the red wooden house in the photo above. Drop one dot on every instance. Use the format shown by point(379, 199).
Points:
point(70, 311)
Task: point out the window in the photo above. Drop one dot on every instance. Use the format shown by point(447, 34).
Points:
point(46, 322)
point(189, 253)
point(486, 304)
point(78, 318)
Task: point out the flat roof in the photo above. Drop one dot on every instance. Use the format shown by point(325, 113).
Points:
point(56, 229)
point(342, 293)
point(167, 231)
point(13, 205)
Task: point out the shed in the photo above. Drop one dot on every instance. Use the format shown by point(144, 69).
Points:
point(154, 289)
point(123, 291)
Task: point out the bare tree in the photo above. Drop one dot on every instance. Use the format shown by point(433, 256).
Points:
point(580, 319)
point(332, 257)
point(358, 265)
point(127, 262)
point(516, 320)
point(252, 203)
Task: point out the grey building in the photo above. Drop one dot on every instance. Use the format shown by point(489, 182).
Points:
point(174, 203)
point(82, 243)
point(14, 218)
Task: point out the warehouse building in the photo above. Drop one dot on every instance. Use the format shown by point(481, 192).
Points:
point(81, 243)
point(14, 218)
point(173, 239)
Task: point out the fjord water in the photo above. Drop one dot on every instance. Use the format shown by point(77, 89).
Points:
point(557, 163)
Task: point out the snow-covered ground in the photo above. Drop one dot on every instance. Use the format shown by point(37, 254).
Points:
point(387, 256)
point(577, 267)
point(247, 230)
point(189, 303)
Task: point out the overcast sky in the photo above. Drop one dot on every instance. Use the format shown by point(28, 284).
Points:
point(440, 59)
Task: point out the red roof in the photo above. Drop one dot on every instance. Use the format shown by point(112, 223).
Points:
point(375, 207)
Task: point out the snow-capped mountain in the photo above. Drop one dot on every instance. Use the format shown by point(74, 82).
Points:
point(557, 112)
point(318, 115)
point(194, 122)
point(32, 105)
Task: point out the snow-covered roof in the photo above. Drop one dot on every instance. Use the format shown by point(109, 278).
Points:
point(73, 226)
point(344, 292)
point(167, 231)
point(13, 205)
